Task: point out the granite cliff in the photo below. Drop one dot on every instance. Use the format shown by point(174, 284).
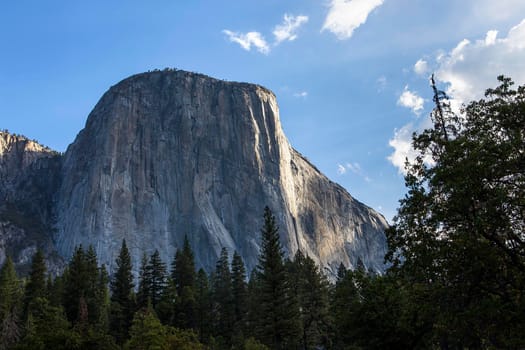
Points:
point(29, 178)
point(168, 154)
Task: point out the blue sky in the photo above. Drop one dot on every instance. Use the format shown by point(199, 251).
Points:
point(351, 76)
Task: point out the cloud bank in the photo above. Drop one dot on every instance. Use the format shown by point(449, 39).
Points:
point(467, 71)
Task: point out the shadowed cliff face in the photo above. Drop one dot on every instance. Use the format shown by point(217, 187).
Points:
point(168, 154)
point(29, 178)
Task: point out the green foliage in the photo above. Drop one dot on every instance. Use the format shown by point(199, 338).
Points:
point(10, 305)
point(459, 233)
point(183, 267)
point(183, 275)
point(156, 272)
point(48, 328)
point(278, 325)
point(122, 298)
point(86, 298)
point(178, 339)
point(143, 293)
point(147, 333)
point(223, 300)
point(36, 284)
point(254, 344)
point(311, 292)
point(240, 299)
point(203, 307)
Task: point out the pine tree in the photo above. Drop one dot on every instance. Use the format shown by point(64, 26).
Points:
point(279, 327)
point(75, 284)
point(122, 306)
point(183, 275)
point(311, 288)
point(157, 275)
point(102, 298)
point(85, 296)
point(144, 291)
point(96, 292)
point(183, 267)
point(36, 284)
point(10, 306)
point(166, 309)
point(240, 297)
point(222, 299)
point(203, 306)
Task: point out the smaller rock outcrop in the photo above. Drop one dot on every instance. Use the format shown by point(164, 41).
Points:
point(29, 178)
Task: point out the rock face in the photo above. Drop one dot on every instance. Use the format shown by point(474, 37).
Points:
point(168, 154)
point(29, 178)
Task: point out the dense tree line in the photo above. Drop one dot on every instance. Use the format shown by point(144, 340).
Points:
point(456, 278)
point(178, 309)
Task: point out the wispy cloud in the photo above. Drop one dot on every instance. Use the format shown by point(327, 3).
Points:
point(247, 40)
point(287, 31)
point(354, 168)
point(412, 100)
point(381, 83)
point(345, 16)
point(301, 94)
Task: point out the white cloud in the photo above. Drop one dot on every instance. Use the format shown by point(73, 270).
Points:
point(344, 16)
point(467, 70)
point(247, 40)
point(288, 29)
point(402, 145)
point(411, 100)
point(490, 38)
point(471, 67)
point(302, 94)
point(341, 169)
point(421, 67)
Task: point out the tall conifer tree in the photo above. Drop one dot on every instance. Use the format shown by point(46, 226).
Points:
point(183, 267)
point(36, 284)
point(10, 297)
point(122, 307)
point(157, 274)
point(279, 326)
point(222, 297)
point(240, 298)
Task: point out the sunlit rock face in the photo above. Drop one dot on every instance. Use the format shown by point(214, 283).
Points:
point(168, 154)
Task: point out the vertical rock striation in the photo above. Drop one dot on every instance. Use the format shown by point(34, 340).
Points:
point(168, 154)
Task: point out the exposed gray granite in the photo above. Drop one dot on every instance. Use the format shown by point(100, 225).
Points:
point(171, 153)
